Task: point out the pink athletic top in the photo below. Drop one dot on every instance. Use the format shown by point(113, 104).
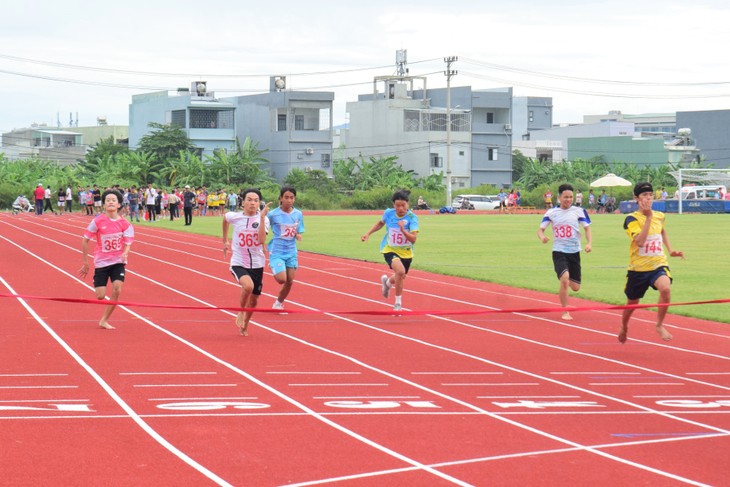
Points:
point(111, 236)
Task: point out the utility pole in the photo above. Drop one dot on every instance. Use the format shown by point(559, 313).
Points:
point(449, 74)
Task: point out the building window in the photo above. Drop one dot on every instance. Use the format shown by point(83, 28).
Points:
point(210, 119)
point(531, 116)
point(326, 160)
point(492, 153)
point(436, 161)
point(177, 118)
point(490, 117)
point(281, 122)
point(298, 122)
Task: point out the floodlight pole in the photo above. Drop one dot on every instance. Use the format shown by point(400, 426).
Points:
point(449, 74)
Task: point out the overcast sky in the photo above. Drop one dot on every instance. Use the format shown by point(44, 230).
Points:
point(90, 57)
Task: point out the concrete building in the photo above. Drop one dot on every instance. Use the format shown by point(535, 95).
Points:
point(530, 114)
point(45, 143)
point(412, 123)
point(92, 135)
point(644, 123)
point(207, 121)
point(710, 130)
point(552, 144)
point(294, 128)
point(635, 150)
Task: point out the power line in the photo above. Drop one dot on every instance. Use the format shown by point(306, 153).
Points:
point(587, 80)
point(192, 75)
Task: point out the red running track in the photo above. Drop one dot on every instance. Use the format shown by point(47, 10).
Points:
point(177, 397)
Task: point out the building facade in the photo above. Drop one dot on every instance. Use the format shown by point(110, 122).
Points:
point(710, 130)
point(45, 143)
point(293, 128)
point(207, 121)
point(434, 130)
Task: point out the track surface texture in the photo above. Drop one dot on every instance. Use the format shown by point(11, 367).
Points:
point(178, 397)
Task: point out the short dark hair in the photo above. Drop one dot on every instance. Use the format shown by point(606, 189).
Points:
point(251, 190)
point(401, 195)
point(564, 187)
point(114, 192)
point(287, 188)
point(643, 187)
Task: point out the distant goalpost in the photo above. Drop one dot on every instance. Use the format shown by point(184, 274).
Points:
point(701, 177)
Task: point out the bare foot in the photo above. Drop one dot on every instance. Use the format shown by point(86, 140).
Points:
point(622, 334)
point(106, 326)
point(241, 324)
point(567, 317)
point(666, 336)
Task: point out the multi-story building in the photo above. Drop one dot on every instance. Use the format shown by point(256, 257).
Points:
point(207, 121)
point(710, 130)
point(644, 123)
point(293, 128)
point(40, 141)
point(413, 124)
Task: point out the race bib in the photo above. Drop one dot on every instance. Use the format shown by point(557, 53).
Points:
point(562, 231)
point(111, 243)
point(248, 238)
point(652, 247)
point(288, 231)
point(396, 238)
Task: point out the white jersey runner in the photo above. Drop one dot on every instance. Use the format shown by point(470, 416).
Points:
point(247, 251)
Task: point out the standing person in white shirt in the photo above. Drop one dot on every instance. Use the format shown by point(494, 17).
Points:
point(566, 221)
point(150, 195)
point(69, 199)
point(247, 252)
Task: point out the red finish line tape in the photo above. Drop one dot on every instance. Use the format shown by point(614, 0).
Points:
point(602, 307)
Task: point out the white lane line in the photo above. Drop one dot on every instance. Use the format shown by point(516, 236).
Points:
point(45, 400)
point(340, 385)
point(682, 395)
point(636, 384)
point(366, 397)
point(314, 373)
point(185, 385)
point(595, 373)
point(509, 384)
point(33, 375)
point(167, 373)
point(457, 373)
point(39, 387)
point(528, 397)
point(201, 398)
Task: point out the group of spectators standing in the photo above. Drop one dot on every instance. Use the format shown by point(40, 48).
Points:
point(43, 199)
point(507, 200)
point(148, 202)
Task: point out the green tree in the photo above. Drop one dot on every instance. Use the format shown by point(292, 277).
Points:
point(147, 170)
point(105, 147)
point(165, 142)
point(187, 168)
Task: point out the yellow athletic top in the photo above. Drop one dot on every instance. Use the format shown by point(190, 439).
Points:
point(651, 255)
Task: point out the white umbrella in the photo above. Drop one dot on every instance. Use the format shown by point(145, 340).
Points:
point(610, 179)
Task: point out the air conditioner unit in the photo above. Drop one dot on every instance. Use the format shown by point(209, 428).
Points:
point(308, 169)
point(508, 127)
point(309, 151)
